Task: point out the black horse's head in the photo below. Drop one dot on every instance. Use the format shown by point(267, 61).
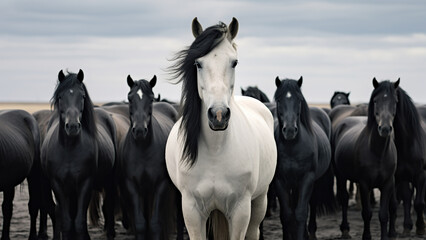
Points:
point(339, 98)
point(140, 99)
point(71, 102)
point(382, 106)
point(292, 108)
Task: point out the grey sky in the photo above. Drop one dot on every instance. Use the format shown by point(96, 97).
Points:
point(335, 45)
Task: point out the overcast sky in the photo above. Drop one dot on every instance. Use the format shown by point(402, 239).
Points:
point(334, 44)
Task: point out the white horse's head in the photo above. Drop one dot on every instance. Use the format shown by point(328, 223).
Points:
point(216, 76)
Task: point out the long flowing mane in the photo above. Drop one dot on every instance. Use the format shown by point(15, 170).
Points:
point(88, 116)
point(291, 85)
point(185, 71)
point(384, 86)
point(407, 121)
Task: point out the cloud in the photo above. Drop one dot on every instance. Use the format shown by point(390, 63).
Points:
point(335, 45)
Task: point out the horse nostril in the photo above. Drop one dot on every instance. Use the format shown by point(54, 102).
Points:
point(210, 113)
point(227, 113)
point(380, 128)
point(295, 129)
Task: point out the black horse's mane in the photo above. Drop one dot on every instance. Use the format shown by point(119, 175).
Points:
point(88, 117)
point(185, 71)
point(144, 86)
point(292, 86)
point(407, 120)
point(384, 86)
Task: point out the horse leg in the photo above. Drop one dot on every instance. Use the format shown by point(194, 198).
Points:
point(406, 193)
point(343, 196)
point(241, 217)
point(258, 210)
point(109, 206)
point(301, 212)
point(180, 224)
point(285, 210)
point(393, 205)
point(312, 226)
point(34, 203)
point(83, 199)
point(386, 198)
point(160, 204)
point(63, 214)
point(137, 217)
point(7, 208)
point(366, 209)
point(419, 203)
point(195, 219)
point(48, 207)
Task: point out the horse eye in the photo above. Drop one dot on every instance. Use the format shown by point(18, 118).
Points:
point(198, 64)
point(234, 64)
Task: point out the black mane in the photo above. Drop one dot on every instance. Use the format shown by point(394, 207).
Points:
point(292, 86)
point(88, 116)
point(185, 71)
point(407, 121)
point(144, 86)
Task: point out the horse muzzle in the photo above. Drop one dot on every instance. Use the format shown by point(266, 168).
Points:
point(73, 129)
point(385, 130)
point(290, 133)
point(219, 118)
point(139, 132)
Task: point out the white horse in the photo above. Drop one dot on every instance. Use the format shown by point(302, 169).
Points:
point(221, 153)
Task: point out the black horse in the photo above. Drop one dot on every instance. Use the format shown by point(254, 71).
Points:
point(304, 156)
point(145, 186)
point(78, 156)
point(255, 92)
point(339, 98)
point(41, 198)
point(365, 153)
point(19, 149)
point(411, 169)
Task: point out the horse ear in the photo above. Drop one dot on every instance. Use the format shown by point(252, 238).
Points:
point(347, 94)
point(300, 81)
point(375, 83)
point(242, 91)
point(197, 29)
point(277, 81)
point(153, 81)
point(61, 76)
point(80, 75)
point(233, 28)
point(396, 84)
point(130, 81)
point(158, 98)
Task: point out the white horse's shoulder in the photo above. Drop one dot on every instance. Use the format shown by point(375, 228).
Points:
point(255, 107)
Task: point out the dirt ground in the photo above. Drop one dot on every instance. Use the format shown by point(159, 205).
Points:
point(328, 226)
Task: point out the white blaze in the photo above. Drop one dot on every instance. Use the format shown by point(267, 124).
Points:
point(139, 92)
point(288, 95)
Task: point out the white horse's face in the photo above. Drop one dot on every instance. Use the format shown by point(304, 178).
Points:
point(215, 79)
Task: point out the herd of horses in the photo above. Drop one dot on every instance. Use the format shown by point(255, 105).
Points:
point(214, 163)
